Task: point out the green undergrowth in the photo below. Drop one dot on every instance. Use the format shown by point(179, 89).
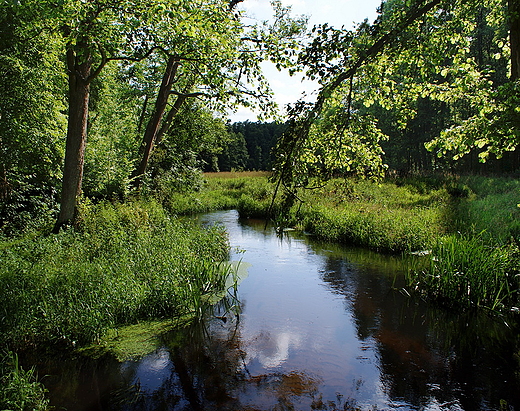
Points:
point(123, 264)
point(19, 388)
point(381, 216)
point(251, 196)
point(491, 208)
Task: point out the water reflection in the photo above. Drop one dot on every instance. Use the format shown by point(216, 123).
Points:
point(320, 327)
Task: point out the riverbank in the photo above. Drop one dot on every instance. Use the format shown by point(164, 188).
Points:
point(123, 264)
point(467, 227)
point(136, 261)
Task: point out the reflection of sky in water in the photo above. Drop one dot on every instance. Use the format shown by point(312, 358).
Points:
point(293, 322)
point(270, 350)
point(151, 372)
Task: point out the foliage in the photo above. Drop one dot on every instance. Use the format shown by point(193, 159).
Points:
point(195, 138)
point(31, 122)
point(252, 146)
point(113, 140)
point(127, 262)
point(424, 70)
point(19, 389)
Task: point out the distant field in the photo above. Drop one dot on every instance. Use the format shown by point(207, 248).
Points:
point(237, 174)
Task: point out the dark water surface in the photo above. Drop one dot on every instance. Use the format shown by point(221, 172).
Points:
point(321, 327)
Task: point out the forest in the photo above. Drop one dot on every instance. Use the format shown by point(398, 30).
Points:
point(114, 121)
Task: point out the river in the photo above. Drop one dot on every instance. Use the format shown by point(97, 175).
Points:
point(320, 327)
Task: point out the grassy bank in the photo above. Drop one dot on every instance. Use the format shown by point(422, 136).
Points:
point(125, 263)
point(468, 226)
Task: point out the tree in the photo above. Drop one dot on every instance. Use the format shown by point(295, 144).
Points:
point(220, 65)
point(96, 33)
point(31, 119)
point(417, 49)
point(198, 49)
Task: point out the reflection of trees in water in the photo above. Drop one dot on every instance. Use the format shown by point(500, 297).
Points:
point(209, 372)
point(428, 355)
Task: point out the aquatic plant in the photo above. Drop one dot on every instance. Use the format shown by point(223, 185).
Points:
point(468, 272)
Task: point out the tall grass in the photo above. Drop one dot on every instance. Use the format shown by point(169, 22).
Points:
point(19, 388)
point(492, 209)
point(249, 193)
point(380, 216)
point(465, 272)
point(126, 262)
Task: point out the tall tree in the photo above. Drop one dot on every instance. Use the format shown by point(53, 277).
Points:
point(220, 64)
point(97, 32)
point(428, 42)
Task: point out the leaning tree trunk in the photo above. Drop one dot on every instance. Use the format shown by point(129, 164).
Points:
point(169, 118)
point(514, 37)
point(152, 128)
point(79, 92)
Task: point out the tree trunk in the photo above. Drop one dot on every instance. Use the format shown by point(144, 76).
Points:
point(514, 38)
point(79, 92)
point(155, 121)
point(4, 184)
point(169, 118)
point(142, 116)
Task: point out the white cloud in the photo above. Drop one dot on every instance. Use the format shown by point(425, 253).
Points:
point(335, 12)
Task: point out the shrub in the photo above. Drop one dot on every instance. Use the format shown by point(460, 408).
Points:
point(125, 262)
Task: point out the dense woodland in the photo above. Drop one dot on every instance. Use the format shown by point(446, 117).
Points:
point(100, 97)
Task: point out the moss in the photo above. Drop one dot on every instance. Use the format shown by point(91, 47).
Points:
point(134, 341)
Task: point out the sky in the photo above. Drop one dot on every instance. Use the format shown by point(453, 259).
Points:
point(336, 13)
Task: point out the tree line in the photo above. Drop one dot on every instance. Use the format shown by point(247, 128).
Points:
point(99, 97)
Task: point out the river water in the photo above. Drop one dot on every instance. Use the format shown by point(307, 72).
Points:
point(320, 326)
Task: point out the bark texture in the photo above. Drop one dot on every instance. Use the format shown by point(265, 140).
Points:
point(79, 93)
point(154, 124)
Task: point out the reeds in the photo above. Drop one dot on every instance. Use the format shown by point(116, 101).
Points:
point(127, 262)
point(19, 388)
point(466, 272)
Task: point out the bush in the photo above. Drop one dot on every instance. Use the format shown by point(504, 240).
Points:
point(125, 262)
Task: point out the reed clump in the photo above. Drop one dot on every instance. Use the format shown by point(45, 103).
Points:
point(467, 272)
point(19, 388)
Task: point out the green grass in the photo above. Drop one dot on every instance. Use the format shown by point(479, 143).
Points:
point(249, 193)
point(465, 272)
point(125, 263)
point(381, 216)
point(19, 388)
